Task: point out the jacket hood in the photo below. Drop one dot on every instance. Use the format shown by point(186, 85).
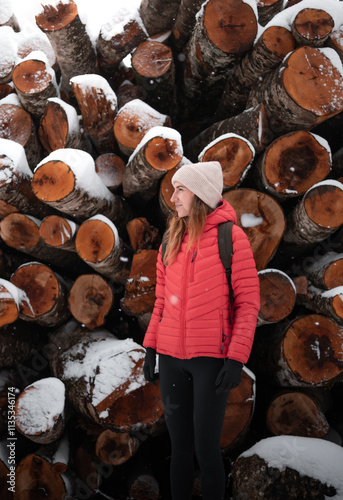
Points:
point(223, 213)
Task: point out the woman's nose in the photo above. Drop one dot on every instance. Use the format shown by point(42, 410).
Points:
point(173, 197)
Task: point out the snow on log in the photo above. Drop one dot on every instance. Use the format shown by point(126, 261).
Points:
point(58, 232)
point(8, 53)
point(104, 380)
point(234, 153)
point(312, 27)
point(328, 302)
point(122, 33)
point(304, 91)
point(66, 179)
point(16, 194)
point(262, 219)
point(266, 10)
point(98, 105)
point(157, 15)
point(59, 127)
point(325, 272)
point(98, 243)
point(40, 410)
point(35, 82)
point(272, 46)
point(154, 71)
point(297, 413)
point(292, 164)
point(159, 151)
point(223, 33)
point(278, 296)
point(239, 412)
point(133, 121)
point(251, 124)
point(90, 300)
point(47, 294)
point(184, 23)
point(68, 36)
point(11, 298)
point(7, 16)
point(110, 167)
point(289, 467)
point(317, 215)
point(139, 294)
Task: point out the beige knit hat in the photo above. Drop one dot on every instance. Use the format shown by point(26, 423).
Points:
point(203, 179)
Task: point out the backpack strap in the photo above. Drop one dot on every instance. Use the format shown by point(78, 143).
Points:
point(226, 252)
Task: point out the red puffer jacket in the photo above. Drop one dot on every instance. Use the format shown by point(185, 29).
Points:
point(191, 311)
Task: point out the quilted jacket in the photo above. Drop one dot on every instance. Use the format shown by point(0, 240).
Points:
point(191, 315)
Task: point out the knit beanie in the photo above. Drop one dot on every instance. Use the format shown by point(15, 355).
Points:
point(203, 179)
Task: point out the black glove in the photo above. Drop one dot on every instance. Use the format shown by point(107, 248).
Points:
point(229, 376)
point(149, 366)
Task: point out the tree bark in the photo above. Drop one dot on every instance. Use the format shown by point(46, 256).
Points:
point(312, 27)
point(142, 235)
point(154, 71)
point(292, 164)
point(278, 296)
point(133, 121)
point(267, 10)
point(160, 151)
point(184, 23)
point(328, 302)
point(47, 294)
point(250, 124)
point(110, 167)
point(325, 272)
point(234, 153)
point(23, 339)
point(157, 16)
point(262, 219)
point(305, 91)
point(99, 245)
point(70, 41)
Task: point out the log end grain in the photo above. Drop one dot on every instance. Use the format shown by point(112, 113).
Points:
point(55, 230)
point(31, 76)
point(95, 241)
point(54, 18)
point(53, 181)
point(152, 59)
point(19, 231)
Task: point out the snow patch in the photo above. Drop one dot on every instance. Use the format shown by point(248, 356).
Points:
point(250, 220)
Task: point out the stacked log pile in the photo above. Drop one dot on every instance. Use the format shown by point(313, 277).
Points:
point(88, 146)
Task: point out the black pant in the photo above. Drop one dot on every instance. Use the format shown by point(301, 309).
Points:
point(194, 417)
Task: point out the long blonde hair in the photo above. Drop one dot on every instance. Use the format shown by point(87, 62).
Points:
point(177, 227)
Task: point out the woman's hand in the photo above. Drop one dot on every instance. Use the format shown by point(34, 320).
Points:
point(229, 376)
point(149, 366)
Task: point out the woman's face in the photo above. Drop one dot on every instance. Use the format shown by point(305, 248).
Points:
point(183, 199)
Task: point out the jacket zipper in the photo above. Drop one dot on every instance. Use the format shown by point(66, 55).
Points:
point(184, 303)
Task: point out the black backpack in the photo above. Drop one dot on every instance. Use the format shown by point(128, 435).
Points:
point(225, 252)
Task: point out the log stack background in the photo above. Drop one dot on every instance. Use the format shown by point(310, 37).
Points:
point(88, 146)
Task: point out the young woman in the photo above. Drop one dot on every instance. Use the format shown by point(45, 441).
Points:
point(202, 345)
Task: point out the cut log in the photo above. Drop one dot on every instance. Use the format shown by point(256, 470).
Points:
point(154, 71)
point(133, 121)
point(17, 341)
point(318, 215)
point(312, 27)
point(267, 53)
point(7, 16)
point(142, 235)
point(9, 53)
point(40, 411)
point(157, 16)
point(66, 180)
point(17, 125)
point(143, 484)
point(106, 384)
point(296, 413)
point(90, 300)
point(35, 82)
point(70, 41)
point(29, 40)
point(285, 464)
point(36, 477)
point(262, 219)
point(15, 184)
point(306, 352)
point(239, 412)
point(335, 41)
point(292, 164)
point(223, 33)
point(278, 296)
point(127, 92)
point(305, 91)
point(328, 302)
point(234, 153)
point(59, 127)
point(58, 232)
point(11, 298)
point(139, 295)
point(267, 9)
point(251, 124)
point(184, 23)
point(6, 89)
point(116, 448)
point(159, 151)
point(99, 245)
point(325, 272)
point(165, 194)
point(117, 38)
point(47, 294)
point(87, 470)
point(98, 104)
point(110, 167)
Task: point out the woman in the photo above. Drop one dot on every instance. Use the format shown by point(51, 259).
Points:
point(202, 345)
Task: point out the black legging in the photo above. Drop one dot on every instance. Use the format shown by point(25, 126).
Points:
point(187, 389)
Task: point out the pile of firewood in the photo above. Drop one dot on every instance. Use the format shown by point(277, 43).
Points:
point(88, 146)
